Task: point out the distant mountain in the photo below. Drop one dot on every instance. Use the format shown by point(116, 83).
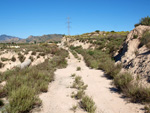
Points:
point(44, 38)
point(31, 39)
point(6, 38)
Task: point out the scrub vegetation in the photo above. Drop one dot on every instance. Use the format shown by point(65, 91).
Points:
point(23, 85)
point(102, 57)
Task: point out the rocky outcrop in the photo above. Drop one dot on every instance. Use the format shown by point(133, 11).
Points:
point(133, 58)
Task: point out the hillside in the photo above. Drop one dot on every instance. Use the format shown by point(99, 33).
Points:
point(31, 39)
point(123, 56)
point(6, 38)
point(44, 38)
point(126, 48)
point(91, 60)
point(134, 54)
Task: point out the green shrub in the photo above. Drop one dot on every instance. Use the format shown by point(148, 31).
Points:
point(78, 68)
point(74, 108)
point(112, 31)
point(88, 104)
point(77, 79)
point(21, 100)
point(135, 36)
point(147, 109)
point(123, 80)
point(1, 65)
point(91, 52)
point(43, 87)
point(21, 57)
point(33, 53)
point(38, 56)
point(3, 92)
point(79, 84)
point(13, 59)
point(144, 21)
point(133, 90)
point(42, 54)
point(35, 78)
point(100, 60)
point(26, 52)
point(74, 54)
point(59, 61)
point(137, 93)
point(145, 40)
point(19, 54)
point(1, 103)
point(111, 69)
point(79, 94)
point(97, 31)
point(73, 75)
point(4, 59)
point(31, 58)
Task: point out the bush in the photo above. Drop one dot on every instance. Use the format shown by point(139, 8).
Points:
point(74, 54)
point(79, 84)
point(21, 100)
point(79, 94)
point(19, 54)
point(147, 109)
point(43, 86)
point(24, 84)
point(91, 52)
point(21, 57)
point(26, 52)
point(41, 54)
point(74, 108)
point(1, 103)
point(38, 56)
point(123, 80)
point(88, 104)
point(73, 75)
point(100, 60)
point(77, 79)
point(111, 69)
point(97, 31)
point(31, 58)
point(4, 59)
point(137, 93)
point(144, 21)
point(1, 65)
point(13, 59)
point(135, 36)
point(145, 39)
point(78, 68)
point(33, 53)
point(3, 92)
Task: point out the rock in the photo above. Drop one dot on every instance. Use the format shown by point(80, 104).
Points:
point(3, 83)
point(25, 64)
point(135, 63)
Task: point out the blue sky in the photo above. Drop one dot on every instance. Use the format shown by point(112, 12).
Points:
point(22, 18)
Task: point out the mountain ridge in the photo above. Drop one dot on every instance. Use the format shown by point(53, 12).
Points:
point(31, 39)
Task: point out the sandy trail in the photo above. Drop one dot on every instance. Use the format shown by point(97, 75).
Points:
point(58, 100)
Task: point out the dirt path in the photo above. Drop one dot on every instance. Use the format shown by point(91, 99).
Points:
point(58, 100)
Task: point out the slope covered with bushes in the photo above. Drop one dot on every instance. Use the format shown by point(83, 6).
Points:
point(23, 85)
point(102, 57)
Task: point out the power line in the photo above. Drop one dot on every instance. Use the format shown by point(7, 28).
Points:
point(68, 21)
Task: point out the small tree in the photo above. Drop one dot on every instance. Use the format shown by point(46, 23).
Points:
point(144, 21)
point(97, 31)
